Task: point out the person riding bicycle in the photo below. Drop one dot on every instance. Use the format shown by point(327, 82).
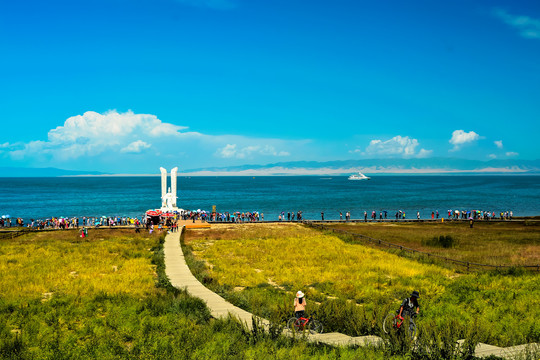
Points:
point(409, 306)
point(299, 305)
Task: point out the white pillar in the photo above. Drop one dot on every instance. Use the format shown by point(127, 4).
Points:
point(173, 185)
point(163, 185)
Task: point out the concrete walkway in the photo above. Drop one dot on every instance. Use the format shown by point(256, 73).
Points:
point(181, 277)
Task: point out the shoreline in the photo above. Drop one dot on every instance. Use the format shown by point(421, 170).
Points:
point(339, 174)
point(273, 222)
point(293, 173)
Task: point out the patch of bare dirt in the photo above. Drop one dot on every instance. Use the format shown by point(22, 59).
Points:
point(274, 284)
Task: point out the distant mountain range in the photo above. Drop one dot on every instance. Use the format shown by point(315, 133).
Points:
point(42, 172)
point(339, 167)
point(378, 166)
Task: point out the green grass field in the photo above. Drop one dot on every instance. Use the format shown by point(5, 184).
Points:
point(352, 286)
point(493, 243)
point(106, 297)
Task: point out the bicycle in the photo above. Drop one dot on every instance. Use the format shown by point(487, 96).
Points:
point(394, 322)
point(305, 324)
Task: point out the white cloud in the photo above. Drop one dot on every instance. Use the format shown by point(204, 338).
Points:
point(92, 133)
point(460, 137)
point(499, 144)
point(4, 146)
point(271, 151)
point(423, 153)
point(231, 151)
point(247, 151)
point(398, 145)
point(108, 141)
point(228, 151)
point(492, 156)
point(135, 147)
point(528, 27)
point(395, 146)
point(29, 149)
point(511, 153)
point(110, 125)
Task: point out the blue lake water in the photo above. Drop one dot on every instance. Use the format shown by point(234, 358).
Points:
point(131, 196)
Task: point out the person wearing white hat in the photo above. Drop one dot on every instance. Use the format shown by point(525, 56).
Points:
point(299, 305)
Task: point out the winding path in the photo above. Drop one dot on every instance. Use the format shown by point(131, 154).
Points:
point(181, 277)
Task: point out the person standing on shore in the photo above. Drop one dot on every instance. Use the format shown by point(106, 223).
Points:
point(322, 216)
point(299, 305)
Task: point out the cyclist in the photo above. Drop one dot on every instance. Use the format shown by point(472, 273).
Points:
point(299, 305)
point(410, 306)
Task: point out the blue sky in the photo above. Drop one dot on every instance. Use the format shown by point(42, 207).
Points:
point(128, 86)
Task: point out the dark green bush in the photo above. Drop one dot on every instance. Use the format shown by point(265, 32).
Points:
point(345, 317)
point(444, 241)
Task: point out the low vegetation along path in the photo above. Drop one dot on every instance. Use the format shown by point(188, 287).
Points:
point(181, 277)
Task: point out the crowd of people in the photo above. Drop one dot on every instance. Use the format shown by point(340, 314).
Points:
point(255, 216)
point(291, 216)
point(238, 217)
point(480, 214)
point(6, 221)
point(435, 215)
point(193, 215)
point(70, 222)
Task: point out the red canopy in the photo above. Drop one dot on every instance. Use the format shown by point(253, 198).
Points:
point(167, 215)
point(153, 212)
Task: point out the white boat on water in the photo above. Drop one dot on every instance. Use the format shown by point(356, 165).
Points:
point(359, 176)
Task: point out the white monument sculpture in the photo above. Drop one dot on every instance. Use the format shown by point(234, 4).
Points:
point(168, 198)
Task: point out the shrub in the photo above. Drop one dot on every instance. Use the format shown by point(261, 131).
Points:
point(346, 317)
point(12, 347)
point(444, 241)
point(434, 342)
